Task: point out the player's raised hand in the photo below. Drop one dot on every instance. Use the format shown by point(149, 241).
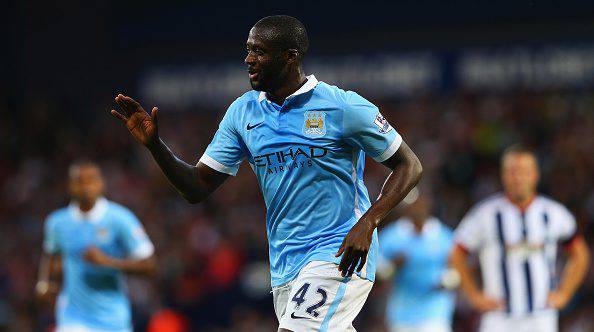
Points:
point(142, 126)
point(355, 247)
point(46, 291)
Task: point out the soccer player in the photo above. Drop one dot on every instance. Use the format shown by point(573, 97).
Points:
point(516, 235)
point(95, 241)
point(306, 142)
point(418, 245)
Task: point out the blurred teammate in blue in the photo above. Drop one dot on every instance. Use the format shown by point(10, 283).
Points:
point(306, 142)
point(418, 245)
point(92, 242)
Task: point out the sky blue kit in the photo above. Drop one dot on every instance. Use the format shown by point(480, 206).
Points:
point(308, 155)
point(93, 296)
point(415, 298)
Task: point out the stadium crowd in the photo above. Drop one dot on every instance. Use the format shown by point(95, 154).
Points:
point(212, 257)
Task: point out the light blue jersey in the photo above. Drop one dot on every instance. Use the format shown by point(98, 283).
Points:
point(94, 296)
point(415, 298)
point(308, 156)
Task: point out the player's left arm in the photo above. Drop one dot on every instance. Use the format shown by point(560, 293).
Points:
point(139, 250)
point(406, 173)
point(138, 266)
point(573, 274)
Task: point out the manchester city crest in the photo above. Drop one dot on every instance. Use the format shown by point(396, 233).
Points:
point(314, 123)
point(102, 234)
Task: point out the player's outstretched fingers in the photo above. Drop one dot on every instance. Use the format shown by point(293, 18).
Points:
point(340, 250)
point(119, 116)
point(362, 262)
point(354, 263)
point(133, 105)
point(154, 114)
point(345, 262)
point(120, 100)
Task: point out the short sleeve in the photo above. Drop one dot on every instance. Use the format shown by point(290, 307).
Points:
point(564, 224)
point(468, 234)
point(50, 236)
point(366, 128)
point(225, 152)
point(447, 236)
point(134, 238)
point(391, 243)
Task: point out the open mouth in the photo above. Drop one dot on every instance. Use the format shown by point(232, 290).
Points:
point(253, 75)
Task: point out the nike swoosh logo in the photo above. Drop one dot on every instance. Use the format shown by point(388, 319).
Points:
point(297, 317)
point(254, 126)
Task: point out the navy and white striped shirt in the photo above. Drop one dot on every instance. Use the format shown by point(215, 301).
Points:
point(517, 248)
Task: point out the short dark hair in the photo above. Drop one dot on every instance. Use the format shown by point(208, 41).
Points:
point(76, 165)
point(286, 32)
point(519, 149)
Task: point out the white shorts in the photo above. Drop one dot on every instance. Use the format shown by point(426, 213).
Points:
point(320, 299)
point(424, 327)
point(537, 322)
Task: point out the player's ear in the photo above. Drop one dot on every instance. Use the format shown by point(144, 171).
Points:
point(292, 55)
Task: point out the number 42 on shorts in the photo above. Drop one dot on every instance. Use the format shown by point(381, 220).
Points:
point(299, 298)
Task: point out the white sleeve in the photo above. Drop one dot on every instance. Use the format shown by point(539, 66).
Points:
point(469, 232)
point(564, 223)
point(134, 238)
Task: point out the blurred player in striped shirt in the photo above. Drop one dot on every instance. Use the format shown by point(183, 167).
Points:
point(516, 234)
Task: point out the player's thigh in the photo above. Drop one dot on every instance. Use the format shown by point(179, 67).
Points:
point(321, 300)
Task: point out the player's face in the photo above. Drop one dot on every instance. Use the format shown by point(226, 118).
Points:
point(420, 209)
point(266, 64)
point(519, 174)
point(86, 184)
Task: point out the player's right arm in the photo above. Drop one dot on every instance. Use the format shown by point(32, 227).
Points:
point(468, 238)
point(50, 265)
point(468, 286)
point(194, 183)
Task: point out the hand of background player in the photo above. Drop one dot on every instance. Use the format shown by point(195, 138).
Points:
point(94, 255)
point(354, 247)
point(557, 299)
point(484, 303)
point(140, 124)
point(46, 291)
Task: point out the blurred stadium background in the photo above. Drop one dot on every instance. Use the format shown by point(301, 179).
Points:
point(459, 79)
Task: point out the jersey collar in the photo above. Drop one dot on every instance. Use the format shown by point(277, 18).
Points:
point(94, 215)
point(309, 85)
point(430, 227)
point(522, 209)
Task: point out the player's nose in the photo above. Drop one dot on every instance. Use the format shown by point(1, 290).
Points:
point(250, 59)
